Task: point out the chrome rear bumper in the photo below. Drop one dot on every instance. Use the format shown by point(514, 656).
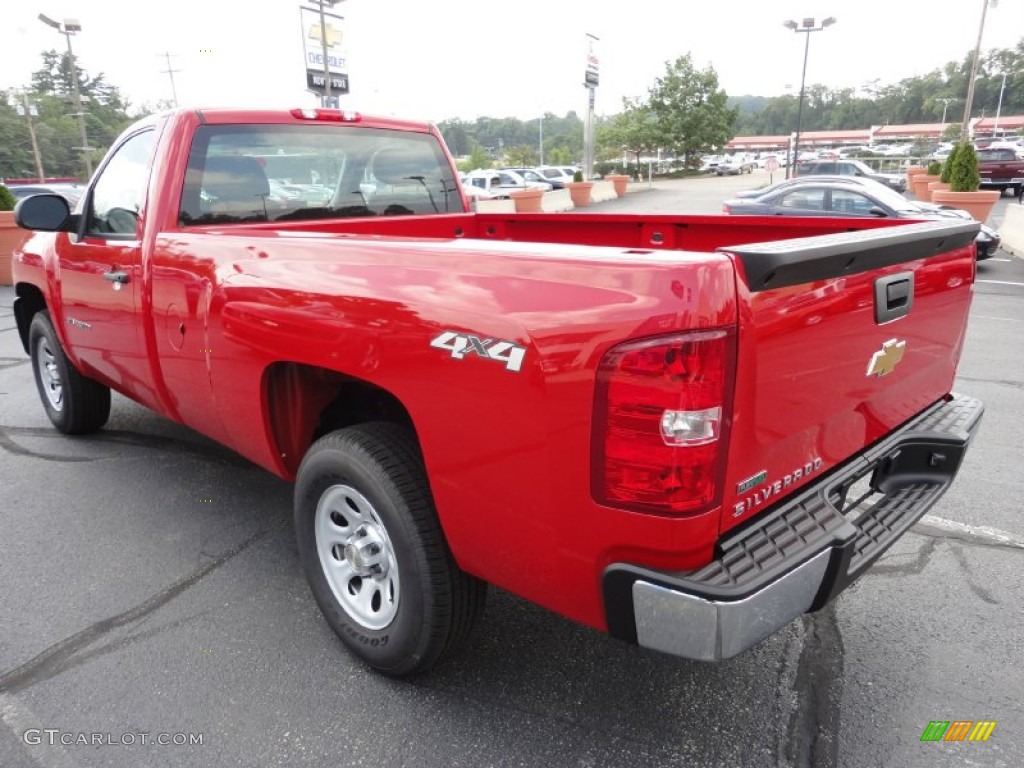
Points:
point(797, 556)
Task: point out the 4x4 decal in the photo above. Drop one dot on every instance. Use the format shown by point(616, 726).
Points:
point(460, 345)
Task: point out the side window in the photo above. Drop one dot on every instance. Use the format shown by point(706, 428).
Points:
point(851, 203)
point(120, 190)
point(804, 200)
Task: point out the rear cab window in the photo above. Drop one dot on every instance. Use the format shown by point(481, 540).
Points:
point(255, 173)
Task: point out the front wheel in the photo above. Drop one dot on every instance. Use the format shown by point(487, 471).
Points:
point(374, 553)
point(75, 404)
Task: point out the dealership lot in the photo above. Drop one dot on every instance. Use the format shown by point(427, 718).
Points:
point(150, 584)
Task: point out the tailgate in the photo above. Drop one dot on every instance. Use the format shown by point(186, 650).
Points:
point(842, 338)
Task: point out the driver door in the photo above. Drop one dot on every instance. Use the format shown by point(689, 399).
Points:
point(100, 271)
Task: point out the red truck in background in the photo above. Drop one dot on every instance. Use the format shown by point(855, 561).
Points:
point(1001, 168)
point(683, 430)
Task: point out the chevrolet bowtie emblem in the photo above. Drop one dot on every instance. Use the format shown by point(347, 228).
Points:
point(885, 360)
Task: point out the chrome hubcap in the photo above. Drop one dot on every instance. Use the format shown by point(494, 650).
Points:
point(357, 556)
point(49, 375)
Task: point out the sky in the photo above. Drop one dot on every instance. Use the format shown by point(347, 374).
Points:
point(470, 58)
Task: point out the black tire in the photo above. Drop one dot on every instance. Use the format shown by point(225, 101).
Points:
point(379, 466)
point(76, 404)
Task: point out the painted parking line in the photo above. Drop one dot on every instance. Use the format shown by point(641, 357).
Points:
point(1007, 261)
point(999, 282)
point(981, 533)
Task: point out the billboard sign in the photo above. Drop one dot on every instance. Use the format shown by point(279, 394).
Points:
point(314, 36)
point(591, 75)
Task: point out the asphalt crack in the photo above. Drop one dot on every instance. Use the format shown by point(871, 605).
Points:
point(214, 454)
point(912, 568)
point(814, 723)
point(1000, 382)
point(75, 650)
point(976, 588)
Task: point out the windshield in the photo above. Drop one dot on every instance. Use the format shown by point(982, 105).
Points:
point(247, 173)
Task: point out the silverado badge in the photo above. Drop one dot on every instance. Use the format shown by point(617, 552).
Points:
point(884, 361)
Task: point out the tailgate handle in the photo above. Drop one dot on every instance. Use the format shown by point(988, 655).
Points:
point(894, 296)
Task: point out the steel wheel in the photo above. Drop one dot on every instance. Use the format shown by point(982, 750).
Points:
point(75, 404)
point(357, 557)
point(49, 374)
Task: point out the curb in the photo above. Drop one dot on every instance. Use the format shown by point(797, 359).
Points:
point(1012, 229)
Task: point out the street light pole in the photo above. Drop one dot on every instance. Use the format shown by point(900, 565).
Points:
point(999, 107)
point(540, 139)
point(945, 105)
point(806, 26)
point(68, 28)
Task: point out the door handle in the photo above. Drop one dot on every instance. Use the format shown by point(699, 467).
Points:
point(894, 296)
point(116, 276)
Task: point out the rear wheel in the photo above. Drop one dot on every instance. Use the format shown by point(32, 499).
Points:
point(374, 553)
point(75, 404)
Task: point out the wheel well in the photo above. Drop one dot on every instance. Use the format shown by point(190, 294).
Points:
point(304, 403)
point(28, 300)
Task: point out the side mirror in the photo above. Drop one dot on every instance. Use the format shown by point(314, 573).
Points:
point(45, 213)
point(876, 211)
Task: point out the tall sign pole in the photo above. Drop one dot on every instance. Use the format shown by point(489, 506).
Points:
point(326, 102)
point(591, 78)
point(326, 68)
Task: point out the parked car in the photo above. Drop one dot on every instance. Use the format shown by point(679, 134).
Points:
point(850, 168)
point(840, 197)
point(734, 166)
point(503, 180)
point(70, 192)
point(553, 173)
point(536, 176)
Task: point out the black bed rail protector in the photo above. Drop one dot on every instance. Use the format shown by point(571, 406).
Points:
point(781, 263)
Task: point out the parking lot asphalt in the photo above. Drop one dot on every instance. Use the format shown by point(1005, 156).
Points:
point(149, 583)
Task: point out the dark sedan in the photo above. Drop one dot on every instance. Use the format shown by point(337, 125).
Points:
point(819, 197)
point(70, 192)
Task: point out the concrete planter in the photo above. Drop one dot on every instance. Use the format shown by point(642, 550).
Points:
point(620, 181)
point(580, 192)
point(933, 187)
point(979, 204)
point(11, 238)
point(920, 182)
point(912, 171)
point(527, 200)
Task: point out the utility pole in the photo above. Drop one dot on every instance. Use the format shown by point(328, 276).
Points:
point(965, 129)
point(32, 134)
point(170, 73)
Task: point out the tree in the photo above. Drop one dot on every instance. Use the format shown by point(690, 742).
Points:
point(690, 110)
point(478, 158)
point(521, 155)
point(634, 130)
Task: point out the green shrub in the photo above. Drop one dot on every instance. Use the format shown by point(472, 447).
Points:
point(7, 199)
point(578, 176)
point(947, 166)
point(963, 175)
point(934, 168)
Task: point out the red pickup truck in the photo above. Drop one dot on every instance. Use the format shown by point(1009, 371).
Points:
point(683, 430)
point(1001, 168)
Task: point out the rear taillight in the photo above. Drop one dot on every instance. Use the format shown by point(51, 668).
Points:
point(725, 208)
point(661, 411)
